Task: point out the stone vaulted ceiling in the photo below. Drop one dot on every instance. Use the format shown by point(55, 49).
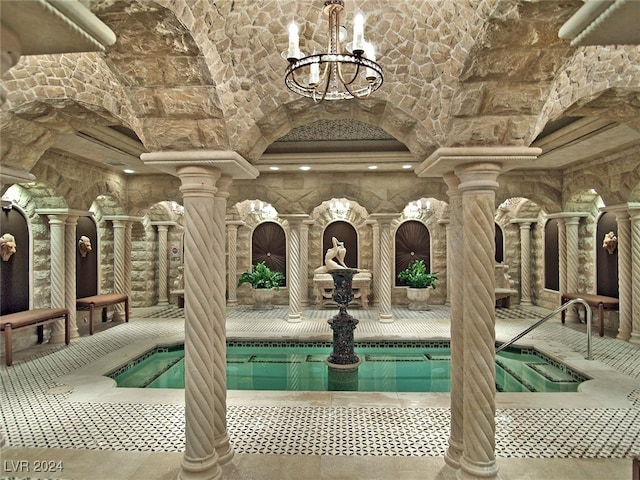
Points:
point(205, 74)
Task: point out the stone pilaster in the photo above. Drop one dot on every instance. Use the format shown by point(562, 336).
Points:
point(293, 260)
point(455, 295)
point(385, 265)
point(478, 182)
point(304, 263)
point(163, 261)
point(375, 233)
point(525, 259)
point(121, 259)
point(58, 272)
point(624, 270)
point(635, 277)
point(232, 262)
point(222, 445)
point(70, 269)
point(568, 246)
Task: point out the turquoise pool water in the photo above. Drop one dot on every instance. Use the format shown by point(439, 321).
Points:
point(388, 367)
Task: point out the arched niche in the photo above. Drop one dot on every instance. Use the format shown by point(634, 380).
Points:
point(345, 233)
point(551, 256)
point(499, 239)
point(412, 242)
point(269, 245)
point(87, 266)
point(15, 272)
point(606, 263)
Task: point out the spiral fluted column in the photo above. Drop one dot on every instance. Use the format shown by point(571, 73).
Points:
point(385, 284)
point(455, 294)
point(573, 265)
point(118, 264)
point(304, 263)
point(128, 261)
point(232, 262)
point(293, 260)
point(447, 225)
point(163, 261)
point(58, 273)
point(375, 233)
point(562, 256)
point(635, 279)
point(525, 259)
point(624, 273)
point(478, 183)
point(71, 247)
point(222, 445)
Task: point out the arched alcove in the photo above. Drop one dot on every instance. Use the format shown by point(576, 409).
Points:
point(551, 258)
point(87, 266)
point(345, 233)
point(15, 272)
point(412, 242)
point(606, 263)
point(269, 245)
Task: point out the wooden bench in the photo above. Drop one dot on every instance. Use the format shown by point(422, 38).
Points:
point(36, 317)
point(90, 303)
point(603, 303)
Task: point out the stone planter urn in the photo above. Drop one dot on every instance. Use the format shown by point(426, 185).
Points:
point(262, 298)
point(419, 298)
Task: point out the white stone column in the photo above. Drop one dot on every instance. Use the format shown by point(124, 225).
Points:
point(222, 445)
point(624, 270)
point(478, 183)
point(525, 259)
point(163, 261)
point(447, 225)
point(198, 188)
point(635, 277)
point(232, 261)
point(304, 262)
point(562, 256)
point(293, 257)
point(70, 268)
point(58, 272)
point(571, 225)
point(385, 283)
point(201, 173)
point(128, 261)
point(375, 232)
point(455, 295)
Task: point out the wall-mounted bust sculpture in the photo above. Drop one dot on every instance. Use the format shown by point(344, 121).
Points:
point(337, 252)
point(610, 242)
point(7, 246)
point(84, 246)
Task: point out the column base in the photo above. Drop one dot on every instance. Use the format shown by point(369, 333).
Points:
point(232, 303)
point(223, 449)
point(294, 318)
point(623, 335)
point(470, 470)
point(635, 338)
point(454, 453)
point(162, 303)
point(526, 303)
point(385, 318)
point(200, 469)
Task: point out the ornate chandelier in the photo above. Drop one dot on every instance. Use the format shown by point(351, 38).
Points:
point(337, 74)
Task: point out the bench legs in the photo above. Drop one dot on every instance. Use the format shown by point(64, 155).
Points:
point(92, 308)
point(600, 316)
point(7, 344)
point(8, 333)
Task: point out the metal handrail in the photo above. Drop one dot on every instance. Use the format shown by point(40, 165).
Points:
point(562, 307)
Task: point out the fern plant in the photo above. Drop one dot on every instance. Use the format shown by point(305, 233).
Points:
point(262, 276)
point(416, 275)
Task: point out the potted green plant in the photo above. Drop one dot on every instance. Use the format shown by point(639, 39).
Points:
point(264, 283)
point(420, 282)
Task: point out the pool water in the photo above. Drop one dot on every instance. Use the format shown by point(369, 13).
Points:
point(388, 368)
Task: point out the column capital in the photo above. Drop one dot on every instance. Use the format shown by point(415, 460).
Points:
point(478, 176)
point(294, 218)
point(223, 184)
point(121, 219)
point(524, 222)
point(384, 218)
point(227, 161)
point(64, 212)
point(164, 223)
point(235, 223)
point(569, 218)
point(447, 159)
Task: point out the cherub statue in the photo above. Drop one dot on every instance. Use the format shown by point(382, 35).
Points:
point(610, 242)
point(7, 246)
point(337, 252)
point(84, 246)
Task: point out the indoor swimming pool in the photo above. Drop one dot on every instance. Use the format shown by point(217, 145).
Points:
point(385, 367)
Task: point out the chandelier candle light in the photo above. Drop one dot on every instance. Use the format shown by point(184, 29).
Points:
point(335, 75)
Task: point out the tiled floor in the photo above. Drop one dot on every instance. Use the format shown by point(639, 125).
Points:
point(50, 412)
